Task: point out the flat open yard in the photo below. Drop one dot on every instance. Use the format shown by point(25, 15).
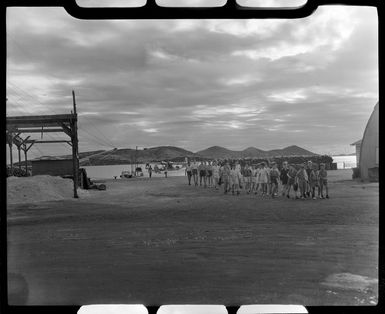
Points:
point(161, 241)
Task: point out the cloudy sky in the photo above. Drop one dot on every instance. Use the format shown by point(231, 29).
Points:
point(309, 82)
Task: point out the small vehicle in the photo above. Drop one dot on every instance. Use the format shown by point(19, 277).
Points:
point(126, 174)
point(159, 168)
point(139, 172)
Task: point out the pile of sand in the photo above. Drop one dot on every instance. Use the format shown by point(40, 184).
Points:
point(39, 188)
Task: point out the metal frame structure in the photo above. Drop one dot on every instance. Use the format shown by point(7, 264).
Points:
point(66, 123)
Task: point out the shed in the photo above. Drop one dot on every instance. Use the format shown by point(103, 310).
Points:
point(357, 144)
point(54, 166)
point(369, 152)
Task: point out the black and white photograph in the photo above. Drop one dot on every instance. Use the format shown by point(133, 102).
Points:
point(192, 161)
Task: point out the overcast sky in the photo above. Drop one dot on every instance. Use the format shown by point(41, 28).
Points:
point(309, 82)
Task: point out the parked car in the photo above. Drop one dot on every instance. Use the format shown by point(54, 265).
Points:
point(126, 174)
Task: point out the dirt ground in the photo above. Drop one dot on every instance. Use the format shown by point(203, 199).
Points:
point(161, 241)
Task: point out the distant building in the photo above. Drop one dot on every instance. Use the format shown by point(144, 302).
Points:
point(357, 144)
point(368, 160)
point(54, 166)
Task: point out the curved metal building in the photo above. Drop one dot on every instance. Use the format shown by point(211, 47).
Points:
point(369, 152)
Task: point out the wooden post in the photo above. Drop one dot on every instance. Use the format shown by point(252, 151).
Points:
point(10, 152)
point(25, 159)
point(23, 146)
point(74, 141)
point(18, 148)
point(26, 151)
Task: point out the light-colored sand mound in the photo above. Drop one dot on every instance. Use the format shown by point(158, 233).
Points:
point(39, 188)
point(349, 281)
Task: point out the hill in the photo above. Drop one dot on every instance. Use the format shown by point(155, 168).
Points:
point(127, 155)
point(292, 150)
point(177, 154)
point(252, 152)
point(217, 152)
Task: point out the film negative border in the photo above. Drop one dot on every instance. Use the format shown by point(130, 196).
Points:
point(152, 11)
point(231, 10)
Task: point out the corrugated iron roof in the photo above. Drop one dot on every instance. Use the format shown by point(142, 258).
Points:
point(356, 143)
point(46, 158)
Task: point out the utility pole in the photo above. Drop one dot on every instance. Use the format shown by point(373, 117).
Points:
point(136, 158)
point(74, 140)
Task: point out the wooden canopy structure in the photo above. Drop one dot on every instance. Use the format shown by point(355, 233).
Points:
point(28, 125)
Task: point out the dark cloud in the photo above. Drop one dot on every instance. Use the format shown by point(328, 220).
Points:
point(269, 84)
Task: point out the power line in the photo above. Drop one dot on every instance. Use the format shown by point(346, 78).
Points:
point(101, 133)
point(100, 141)
point(91, 137)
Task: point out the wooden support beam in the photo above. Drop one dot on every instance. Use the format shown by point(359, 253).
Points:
point(56, 130)
point(66, 130)
point(9, 138)
point(27, 149)
point(43, 142)
point(26, 162)
point(10, 150)
point(66, 123)
point(38, 121)
point(53, 117)
point(26, 139)
point(17, 140)
point(18, 149)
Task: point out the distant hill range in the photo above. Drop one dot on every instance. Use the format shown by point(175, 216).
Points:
point(218, 152)
point(171, 153)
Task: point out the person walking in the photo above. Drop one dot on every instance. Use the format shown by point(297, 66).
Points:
point(313, 182)
point(309, 169)
point(189, 172)
point(284, 178)
point(274, 177)
point(225, 175)
point(202, 173)
point(302, 181)
point(323, 178)
point(209, 174)
point(247, 174)
point(149, 171)
point(263, 178)
point(234, 179)
point(291, 175)
point(194, 170)
point(216, 174)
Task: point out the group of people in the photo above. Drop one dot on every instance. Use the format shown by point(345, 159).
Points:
point(264, 179)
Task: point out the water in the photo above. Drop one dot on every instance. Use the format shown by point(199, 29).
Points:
point(110, 171)
point(345, 162)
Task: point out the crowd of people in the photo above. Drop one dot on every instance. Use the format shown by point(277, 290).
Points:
point(261, 179)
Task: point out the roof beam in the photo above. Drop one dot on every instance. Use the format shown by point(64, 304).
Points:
point(57, 130)
point(53, 117)
point(40, 121)
point(41, 142)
